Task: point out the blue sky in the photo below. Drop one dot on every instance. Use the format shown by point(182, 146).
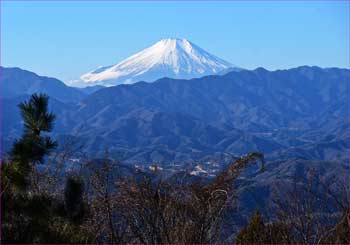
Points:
point(66, 39)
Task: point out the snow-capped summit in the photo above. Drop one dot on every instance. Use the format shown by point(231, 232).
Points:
point(172, 57)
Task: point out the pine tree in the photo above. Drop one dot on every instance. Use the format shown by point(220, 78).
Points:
point(27, 216)
point(73, 199)
point(32, 147)
point(254, 232)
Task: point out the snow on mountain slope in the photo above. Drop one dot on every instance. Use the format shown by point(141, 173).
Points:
point(174, 58)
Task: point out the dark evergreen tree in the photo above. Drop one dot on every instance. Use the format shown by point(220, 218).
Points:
point(74, 198)
point(254, 232)
point(32, 147)
point(27, 216)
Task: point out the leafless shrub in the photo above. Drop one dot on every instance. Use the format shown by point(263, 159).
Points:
point(161, 212)
point(313, 210)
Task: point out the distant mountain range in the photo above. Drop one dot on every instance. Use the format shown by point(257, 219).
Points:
point(17, 82)
point(172, 57)
point(296, 113)
point(299, 119)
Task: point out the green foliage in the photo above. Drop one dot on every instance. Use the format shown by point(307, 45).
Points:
point(32, 147)
point(73, 199)
point(35, 115)
point(35, 217)
point(12, 177)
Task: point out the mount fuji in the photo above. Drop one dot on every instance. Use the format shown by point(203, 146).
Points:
point(172, 57)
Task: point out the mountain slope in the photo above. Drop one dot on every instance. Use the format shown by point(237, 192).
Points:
point(256, 99)
point(174, 58)
point(12, 123)
point(282, 111)
point(17, 82)
point(301, 112)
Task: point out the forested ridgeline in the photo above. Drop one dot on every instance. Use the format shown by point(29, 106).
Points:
point(102, 201)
